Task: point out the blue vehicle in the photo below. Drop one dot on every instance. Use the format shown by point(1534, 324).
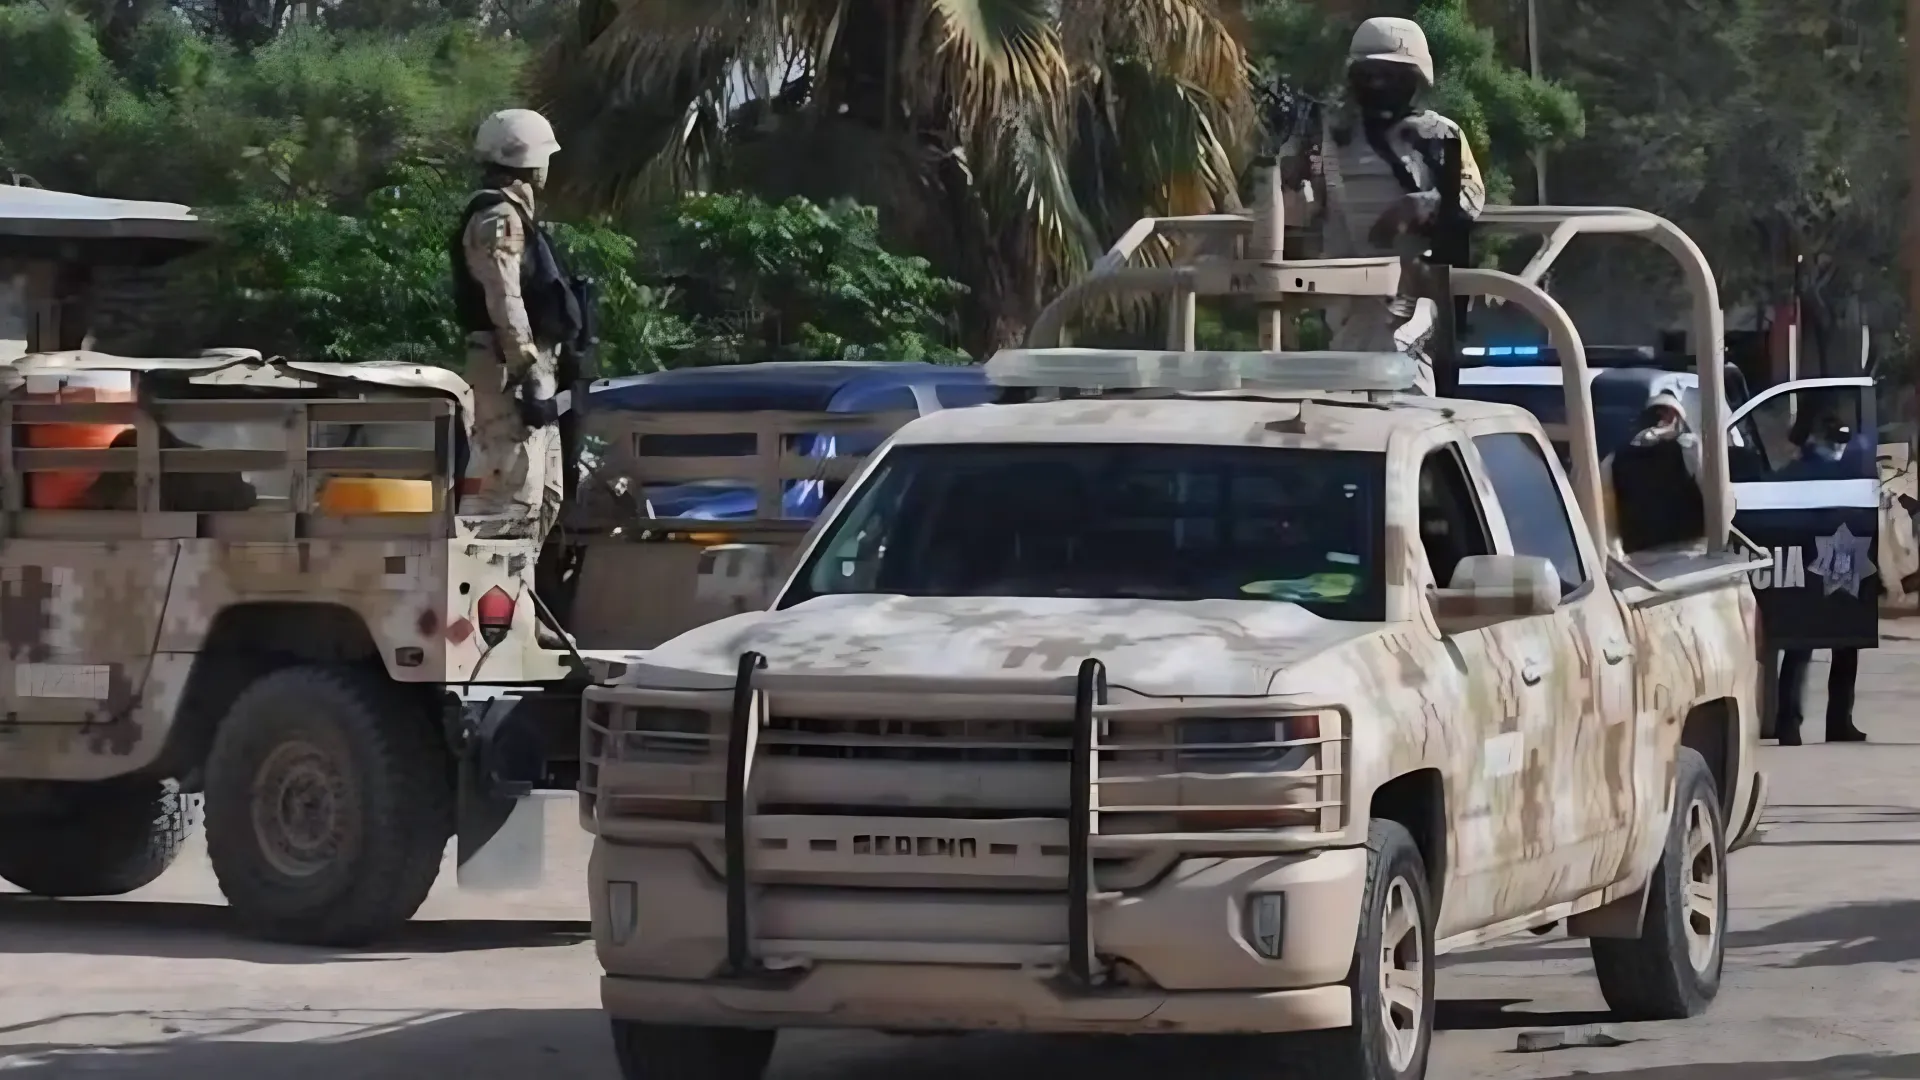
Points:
point(849, 386)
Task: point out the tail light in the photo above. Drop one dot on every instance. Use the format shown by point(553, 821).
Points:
point(494, 613)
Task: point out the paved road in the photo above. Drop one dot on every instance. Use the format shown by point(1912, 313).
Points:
point(1820, 984)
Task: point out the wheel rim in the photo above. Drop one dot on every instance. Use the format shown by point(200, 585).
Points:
point(301, 809)
point(1403, 987)
point(1702, 886)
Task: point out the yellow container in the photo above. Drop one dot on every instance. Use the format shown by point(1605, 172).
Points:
point(346, 496)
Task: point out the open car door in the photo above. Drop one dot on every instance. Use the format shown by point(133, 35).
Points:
point(1817, 511)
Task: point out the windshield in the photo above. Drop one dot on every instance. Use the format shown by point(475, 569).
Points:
point(1161, 522)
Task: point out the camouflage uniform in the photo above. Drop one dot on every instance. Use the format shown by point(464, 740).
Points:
point(516, 468)
point(1360, 186)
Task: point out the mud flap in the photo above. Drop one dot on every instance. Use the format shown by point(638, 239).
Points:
point(501, 824)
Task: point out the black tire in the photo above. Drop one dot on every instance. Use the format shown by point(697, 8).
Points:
point(1672, 970)
point(104, 839)
point(369, 778)
point(1396, 873)
point(679, 1052)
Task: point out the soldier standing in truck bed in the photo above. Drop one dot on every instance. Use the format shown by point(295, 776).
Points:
point(517, 307)
point(1380, 158)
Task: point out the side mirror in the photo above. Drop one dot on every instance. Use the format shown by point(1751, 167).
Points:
point(1487, 589)
point(733, 578)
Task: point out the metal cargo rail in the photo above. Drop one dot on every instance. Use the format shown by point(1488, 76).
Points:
point(148, 510)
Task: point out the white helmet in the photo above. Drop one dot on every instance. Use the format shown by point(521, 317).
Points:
point(516, 139)
point(1396, 41)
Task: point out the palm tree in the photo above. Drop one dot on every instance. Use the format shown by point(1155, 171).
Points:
point(1006, 140)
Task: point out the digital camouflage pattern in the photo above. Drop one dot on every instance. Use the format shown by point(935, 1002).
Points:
point(516, 469)
point(101, 630)
point(1553, 736)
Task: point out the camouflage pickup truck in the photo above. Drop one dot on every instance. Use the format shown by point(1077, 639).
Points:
point(1209, 693)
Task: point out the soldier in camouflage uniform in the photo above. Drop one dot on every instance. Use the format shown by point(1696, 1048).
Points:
point(516, 307)
point(1379, 161)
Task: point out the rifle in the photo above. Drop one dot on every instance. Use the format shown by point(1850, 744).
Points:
point(1450, 245)
point(556, 574)
point(578, 366)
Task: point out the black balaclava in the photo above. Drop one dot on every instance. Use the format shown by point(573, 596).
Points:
point(1383, 91)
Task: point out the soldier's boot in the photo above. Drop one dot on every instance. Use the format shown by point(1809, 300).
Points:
point(1841, 729)
point(1788, 728)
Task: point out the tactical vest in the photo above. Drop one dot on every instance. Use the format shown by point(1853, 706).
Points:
point(553, 311)
point(1657, 499)
point(1360, 186)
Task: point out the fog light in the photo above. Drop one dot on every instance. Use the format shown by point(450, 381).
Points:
point(1267, 923)
point(623, 910)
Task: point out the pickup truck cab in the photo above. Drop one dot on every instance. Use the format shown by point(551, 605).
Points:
point(1260, 683)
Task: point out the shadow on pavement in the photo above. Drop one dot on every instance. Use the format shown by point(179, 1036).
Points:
point(1880, 932)
point(392, 1045)
point(1842, 1067)
point(1838, 814)
point(30, 925)
point(1498, 1014)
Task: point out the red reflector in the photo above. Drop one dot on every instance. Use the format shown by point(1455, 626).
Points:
point(495, 608)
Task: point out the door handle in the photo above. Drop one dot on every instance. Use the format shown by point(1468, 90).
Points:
point(1531, 673)
point(1616, 651)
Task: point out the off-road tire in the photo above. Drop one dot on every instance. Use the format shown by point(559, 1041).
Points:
point(1672, 970)
point(388, 805)
point(1396, 881)
point(106, 839)
point(680, 1052)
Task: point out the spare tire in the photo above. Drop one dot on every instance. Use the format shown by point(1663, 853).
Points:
point(101, 839)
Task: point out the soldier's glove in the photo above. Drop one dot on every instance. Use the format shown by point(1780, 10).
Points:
point(535, 411)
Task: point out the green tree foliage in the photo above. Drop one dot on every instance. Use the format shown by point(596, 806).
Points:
point(731, 280)
point(301, 278)
point(1768, 129)
point(184, 117)
point(335, 160)
point(797, 281)
point(1505, 113)
point(1007, 140)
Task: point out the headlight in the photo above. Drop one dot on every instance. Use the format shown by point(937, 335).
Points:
point(1253, 740)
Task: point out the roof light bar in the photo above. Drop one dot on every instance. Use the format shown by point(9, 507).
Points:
point(1130, 369)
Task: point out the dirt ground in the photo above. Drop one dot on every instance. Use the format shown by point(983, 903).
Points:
point(1823, 961)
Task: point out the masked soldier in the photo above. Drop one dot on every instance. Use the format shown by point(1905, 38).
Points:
point(517, 306)
point(1380, 162)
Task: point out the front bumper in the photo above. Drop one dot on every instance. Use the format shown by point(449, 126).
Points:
point(963, 960)
point(870, 996)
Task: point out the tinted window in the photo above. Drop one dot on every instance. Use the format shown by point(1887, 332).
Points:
point(1130, 521)
point(1451, 527)
point(1536, 513)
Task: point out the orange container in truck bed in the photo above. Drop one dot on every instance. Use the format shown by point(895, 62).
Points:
point(65, 489)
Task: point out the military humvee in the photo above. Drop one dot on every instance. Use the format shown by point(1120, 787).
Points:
point(249, 578)
point(1260, 684)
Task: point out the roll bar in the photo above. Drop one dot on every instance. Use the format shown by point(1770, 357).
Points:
point(1196, 273)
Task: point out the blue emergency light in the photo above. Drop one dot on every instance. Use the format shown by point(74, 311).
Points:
point(1506, 355)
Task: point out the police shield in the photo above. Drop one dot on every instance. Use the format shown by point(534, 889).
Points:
point(1803, 461)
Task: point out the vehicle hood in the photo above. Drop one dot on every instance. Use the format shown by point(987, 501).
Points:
point(1154, 647)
